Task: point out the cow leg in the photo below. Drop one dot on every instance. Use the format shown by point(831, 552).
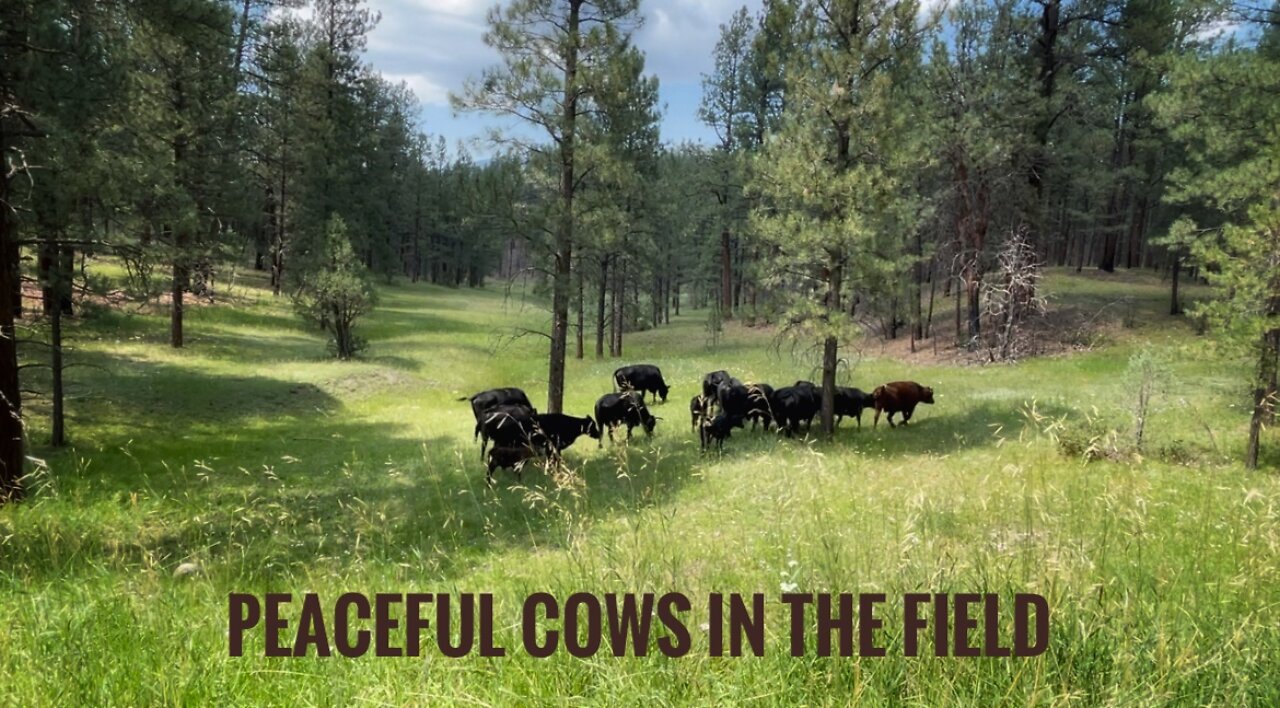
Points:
point(876, 423)
point(628, 431)
point(889, 417)
point(484, 443)
point(906, 415)
point(859, 419)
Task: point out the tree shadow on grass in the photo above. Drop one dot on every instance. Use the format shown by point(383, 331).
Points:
point(263, 479)
point(275, 500)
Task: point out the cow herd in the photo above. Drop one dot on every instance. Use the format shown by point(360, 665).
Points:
point(518, 432)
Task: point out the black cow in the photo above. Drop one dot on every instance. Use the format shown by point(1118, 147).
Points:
point(510, 458)
point(761, 405)
point(793, 405)
point(510, 426)
point(560, 430)
point(733, 398)
point(494, 397)
point(645, 378)
point(718, 429)
point(614, 409)
point(711, 382)
point(699, 409)
point(851, 402)
point(900, 397)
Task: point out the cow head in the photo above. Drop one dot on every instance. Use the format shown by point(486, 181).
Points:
point(663, 389)
point(928, 395)
point(648, 420)
point(590, 428)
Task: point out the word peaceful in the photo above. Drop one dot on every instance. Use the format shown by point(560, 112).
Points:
point(583, 624)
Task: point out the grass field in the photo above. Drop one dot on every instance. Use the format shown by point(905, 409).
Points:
point(275, 469)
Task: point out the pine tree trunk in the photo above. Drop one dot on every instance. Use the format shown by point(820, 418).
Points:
point(620, 306)
point(1264, 394)
point(1175, 306)
point(600, 320)
point(12, 455)
point(581, 311)
point(58, 435)
point(176, 290)
point(726, 276)
point(831, 350)
point(564, 236)
point(933, 287)
point(917, 293)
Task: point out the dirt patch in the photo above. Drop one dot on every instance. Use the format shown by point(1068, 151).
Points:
point(367, 383)
point(1060, 331)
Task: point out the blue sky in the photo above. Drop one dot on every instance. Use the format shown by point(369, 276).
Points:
point(434, 45)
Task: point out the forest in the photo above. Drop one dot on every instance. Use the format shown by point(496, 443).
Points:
point(872, 159)
point(247, 288)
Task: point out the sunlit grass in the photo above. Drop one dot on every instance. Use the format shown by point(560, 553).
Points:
point(276, 469)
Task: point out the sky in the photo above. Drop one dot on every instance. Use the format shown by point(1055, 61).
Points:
point(434, 45)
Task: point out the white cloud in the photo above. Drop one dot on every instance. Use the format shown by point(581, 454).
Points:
point(435, 45)
point(428, 91)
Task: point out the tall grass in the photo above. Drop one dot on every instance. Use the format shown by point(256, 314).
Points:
point(271, 468)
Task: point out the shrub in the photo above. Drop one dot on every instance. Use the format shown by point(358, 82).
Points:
point(337, 292)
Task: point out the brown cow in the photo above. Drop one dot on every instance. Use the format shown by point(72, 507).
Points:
point(900, 397)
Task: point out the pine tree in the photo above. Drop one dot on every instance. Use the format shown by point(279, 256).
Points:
point(554, 54)
point(834, 179)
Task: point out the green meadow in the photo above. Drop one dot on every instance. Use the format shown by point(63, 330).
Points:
point(273, 468)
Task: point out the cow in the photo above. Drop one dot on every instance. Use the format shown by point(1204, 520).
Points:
point(493, 398)
point(560, 430)
point(793, 405)
point(699, 409)
point(510, 458)
point(851, 402)
point(718, 429)
point(645, 378)
point(899, 397)
point(510, 426)
point(711, 382)
point(761, 411)
point(614, 409)
point(733, 398)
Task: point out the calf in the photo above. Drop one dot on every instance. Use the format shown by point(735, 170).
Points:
point(645, 378)
point(761, 411)
point(509, 458)
point(560, 430)
point(699, 409)
point(614, 409)
point(899, 397)
point(718, 429)
point(851, 402)
point(793, 405)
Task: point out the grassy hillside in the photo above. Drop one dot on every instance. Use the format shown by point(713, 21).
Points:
point(275, 469)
